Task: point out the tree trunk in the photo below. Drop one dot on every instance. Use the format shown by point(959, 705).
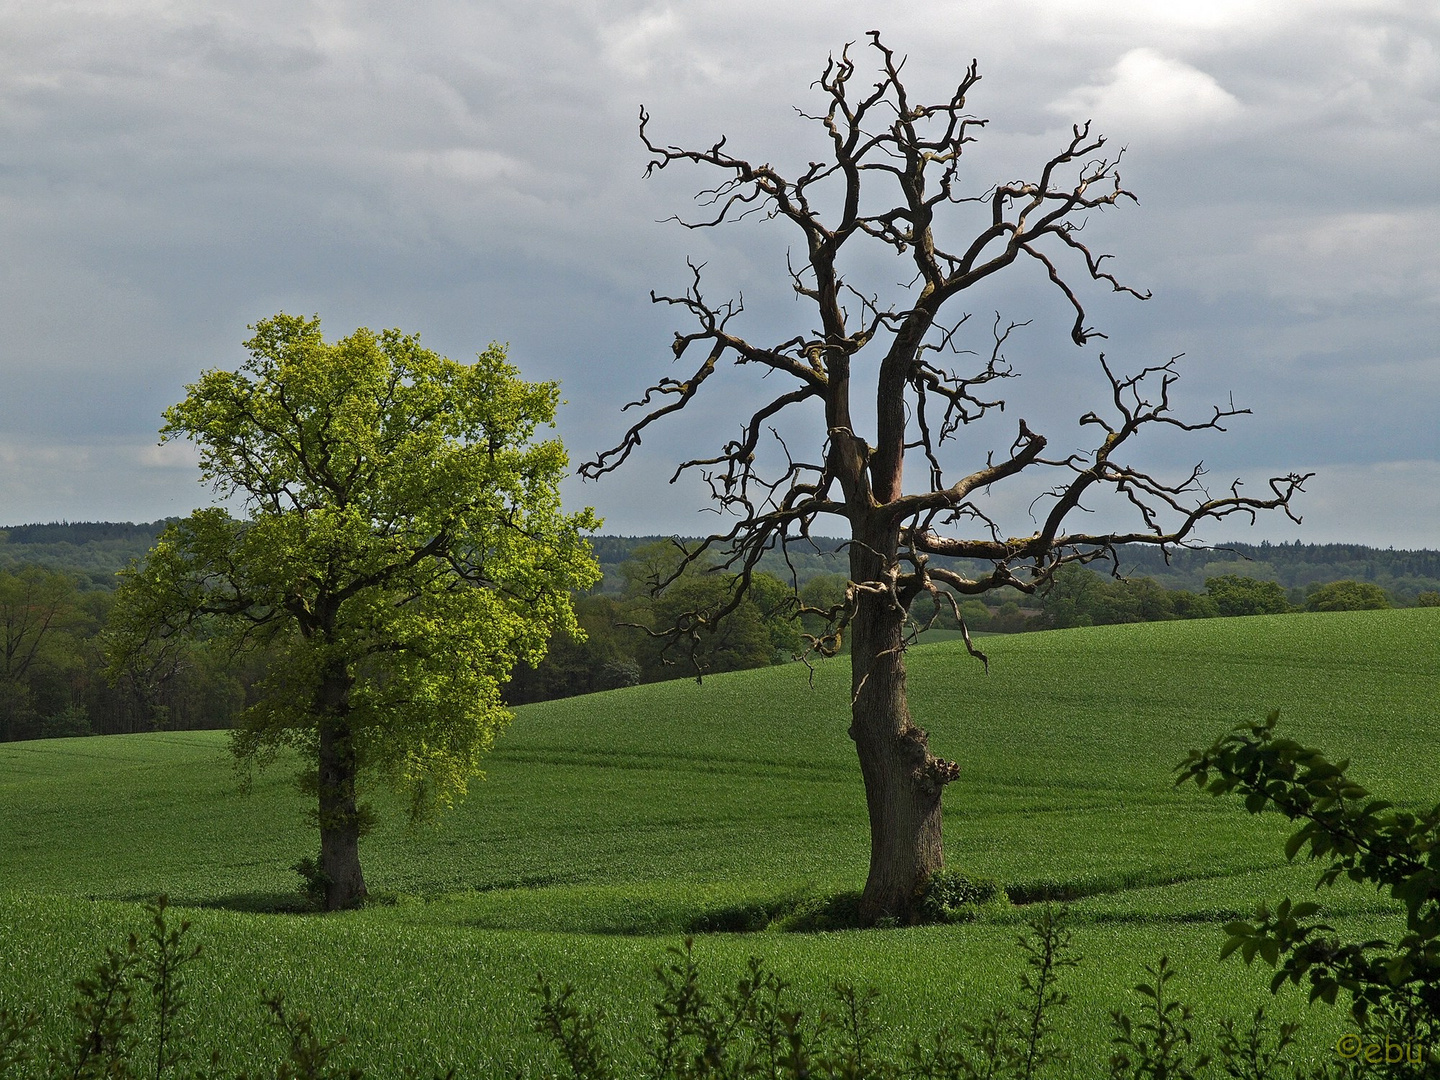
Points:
point(903, 783)
point(339, 817)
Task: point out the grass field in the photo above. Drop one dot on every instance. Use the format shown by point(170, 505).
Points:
point(609, 825)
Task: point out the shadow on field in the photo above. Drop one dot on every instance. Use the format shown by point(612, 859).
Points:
point(797, 913)
point(800, 912)
point(250, 903)
point(1050, 890)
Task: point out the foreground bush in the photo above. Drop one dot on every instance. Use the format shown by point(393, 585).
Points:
point(129, 1020)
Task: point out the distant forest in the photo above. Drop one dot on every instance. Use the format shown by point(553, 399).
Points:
point(57, 583)
point(95, 551)
point(1402, 574)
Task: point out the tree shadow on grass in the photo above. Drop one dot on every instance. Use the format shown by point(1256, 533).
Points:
point(249, 903)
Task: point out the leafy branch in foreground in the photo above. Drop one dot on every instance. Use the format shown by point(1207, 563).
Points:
point(1357, 836)
point(753, 1031)
point(750, 1031)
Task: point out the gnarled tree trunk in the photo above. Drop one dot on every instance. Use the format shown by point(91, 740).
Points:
point(903, 782)
point(339, 815)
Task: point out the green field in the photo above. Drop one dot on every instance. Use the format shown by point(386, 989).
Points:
point(610, 825)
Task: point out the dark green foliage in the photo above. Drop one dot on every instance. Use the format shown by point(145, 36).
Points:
point(92, 550)
point(129, 1021)
point(1189, 605)
point(1049, 952)
point(618, 649)
point(1019, 1042)
point(164, 958)
point(104, 1019)
point(1293, 565)
point(1236, 595)
point(824, 592)
point(1161, 1046)
point(313, 881)
point(1081, 597)
point(700, 1036)
point(752, 1031)
point(114, 1036)
point(64, 693)
point(1347, 596)
point(949, 896)
point(575, 1033)
point(18, 1031)
point(1251, 1053)
point(740, 1033)
point(1403, 573)
point(1355, 836)
point(307, 1056)
point(52, 683)
point(745, 1032)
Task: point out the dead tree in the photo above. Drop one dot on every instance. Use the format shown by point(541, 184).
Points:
point(907, 156)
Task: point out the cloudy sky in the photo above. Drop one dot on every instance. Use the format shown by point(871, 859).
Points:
point(173, 171)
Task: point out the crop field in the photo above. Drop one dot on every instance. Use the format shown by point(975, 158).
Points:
point(611, 826)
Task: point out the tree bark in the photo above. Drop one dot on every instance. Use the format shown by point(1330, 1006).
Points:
point(339, 816)
point(903, 782)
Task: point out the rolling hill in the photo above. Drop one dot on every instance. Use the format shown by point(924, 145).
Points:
point(612, 824)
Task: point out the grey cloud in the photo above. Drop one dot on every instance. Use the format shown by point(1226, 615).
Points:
point(472, 171)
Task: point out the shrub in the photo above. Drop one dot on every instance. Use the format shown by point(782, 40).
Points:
point(753, 1031)
point(313, 881)
point(949, 897)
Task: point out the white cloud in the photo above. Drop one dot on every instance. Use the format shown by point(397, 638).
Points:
point(1150, 94)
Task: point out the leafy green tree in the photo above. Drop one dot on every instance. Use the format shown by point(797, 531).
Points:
point(976, 615)
point(404, 547)
point(775, 603)
point(1347, 596)
point(822, 593)
point(1070, 598)
point(741, 640)
point(1189, 605)
point(1080, 597)
point(1236, 595)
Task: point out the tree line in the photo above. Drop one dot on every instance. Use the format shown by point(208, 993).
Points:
point(620, 650)
point(53, 671)
point(53, 678)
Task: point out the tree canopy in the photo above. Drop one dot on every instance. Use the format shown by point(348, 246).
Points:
point(403, 547)
point(1347, 596)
